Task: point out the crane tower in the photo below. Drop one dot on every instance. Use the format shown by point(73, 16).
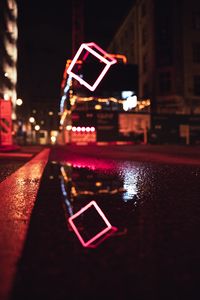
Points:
point(77, 24)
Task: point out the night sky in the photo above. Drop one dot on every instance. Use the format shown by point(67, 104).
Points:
point(45, 41)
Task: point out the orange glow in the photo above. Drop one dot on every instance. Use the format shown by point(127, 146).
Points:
point(78, 62)
point(65, 113)
point(118, 56)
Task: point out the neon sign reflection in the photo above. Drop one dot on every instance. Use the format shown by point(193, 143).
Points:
point(87, 237)
point(89, 223)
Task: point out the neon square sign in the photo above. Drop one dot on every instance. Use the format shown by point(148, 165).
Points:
point(86, 50)
point(89, 235)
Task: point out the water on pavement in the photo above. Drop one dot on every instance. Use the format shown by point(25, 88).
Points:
point(155, 252)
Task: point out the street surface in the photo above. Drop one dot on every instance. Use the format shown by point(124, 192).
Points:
point(149, 193)
point(12, 160)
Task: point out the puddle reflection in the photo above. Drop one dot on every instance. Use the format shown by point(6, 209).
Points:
point(130, 175)
point(110, 184)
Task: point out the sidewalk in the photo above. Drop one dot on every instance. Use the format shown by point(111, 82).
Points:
point(18, 193)
point(19, 148)
point(10, 148)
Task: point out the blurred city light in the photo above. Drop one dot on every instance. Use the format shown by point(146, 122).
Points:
point(19, 102)
point(31, 119)
point(37, 127)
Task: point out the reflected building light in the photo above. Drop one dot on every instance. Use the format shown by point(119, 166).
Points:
point(92, 164)
point(67, 202)
point(130, 176)
point(126, 94)
point(130, 102)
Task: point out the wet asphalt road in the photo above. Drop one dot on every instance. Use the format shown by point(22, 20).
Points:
point(155, 254)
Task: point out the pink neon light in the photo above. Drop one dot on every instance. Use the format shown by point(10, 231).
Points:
point(78, 129)
point(87, 129)
point(91, 242)
point(92, 164)
point(92, 129)
point(99, 53)
point(83, 129)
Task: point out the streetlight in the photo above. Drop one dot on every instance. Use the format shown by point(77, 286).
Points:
point(37, 127)
point(20, 122)
point(31, 126)
point(19, 102)
point(32, 120)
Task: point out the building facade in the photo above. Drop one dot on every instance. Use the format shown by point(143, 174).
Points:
point(163, 39)
point(8, 52)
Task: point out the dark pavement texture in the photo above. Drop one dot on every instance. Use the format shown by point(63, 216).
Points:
point(155, 255)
